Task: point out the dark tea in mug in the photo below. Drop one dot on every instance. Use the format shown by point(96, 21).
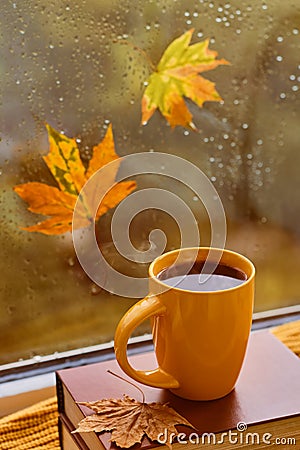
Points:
point(221, 278)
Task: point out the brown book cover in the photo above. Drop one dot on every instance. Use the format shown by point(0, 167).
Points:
point(268, 389)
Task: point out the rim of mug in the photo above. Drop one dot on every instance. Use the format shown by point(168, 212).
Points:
point(220, 291)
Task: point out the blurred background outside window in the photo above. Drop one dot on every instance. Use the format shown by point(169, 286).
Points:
point(68, 64)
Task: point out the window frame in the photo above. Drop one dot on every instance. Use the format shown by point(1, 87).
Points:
point(88, 355)
point(24, 383)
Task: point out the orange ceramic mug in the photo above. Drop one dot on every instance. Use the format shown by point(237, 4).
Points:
point(200, 337)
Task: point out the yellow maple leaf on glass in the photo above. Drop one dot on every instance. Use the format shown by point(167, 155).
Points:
point(64, 162)
point(177, 76)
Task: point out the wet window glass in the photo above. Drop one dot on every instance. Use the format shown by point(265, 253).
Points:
point(81, 67)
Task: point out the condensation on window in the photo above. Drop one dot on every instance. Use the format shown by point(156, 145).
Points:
point(82, 65)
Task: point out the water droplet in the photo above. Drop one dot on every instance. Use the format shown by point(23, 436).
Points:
point(282, 95)
point(71, 262)
point(10, 309)
point(95, 290)
point(279, 58)
point(279, 39)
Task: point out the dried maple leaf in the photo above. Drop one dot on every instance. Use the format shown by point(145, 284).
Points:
point(177, 76)
point(129, 420)
point(64, 162)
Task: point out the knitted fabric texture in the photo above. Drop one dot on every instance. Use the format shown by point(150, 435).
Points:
point(289, 334)
point(32, 428)
point(35, 428)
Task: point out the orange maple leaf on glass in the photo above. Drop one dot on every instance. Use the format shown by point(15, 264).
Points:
point(64, 162)
point(129, 420)
point(177, 76)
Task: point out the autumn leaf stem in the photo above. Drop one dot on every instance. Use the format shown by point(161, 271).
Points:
point(129, 382)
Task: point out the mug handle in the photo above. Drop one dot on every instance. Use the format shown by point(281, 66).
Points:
point(142, 310)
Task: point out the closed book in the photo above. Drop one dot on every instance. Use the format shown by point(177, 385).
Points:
point(266, 400)
point(69, 440)
point(257, 438)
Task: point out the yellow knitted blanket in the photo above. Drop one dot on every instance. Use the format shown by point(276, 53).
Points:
point(35, 428)
point(31, 428)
